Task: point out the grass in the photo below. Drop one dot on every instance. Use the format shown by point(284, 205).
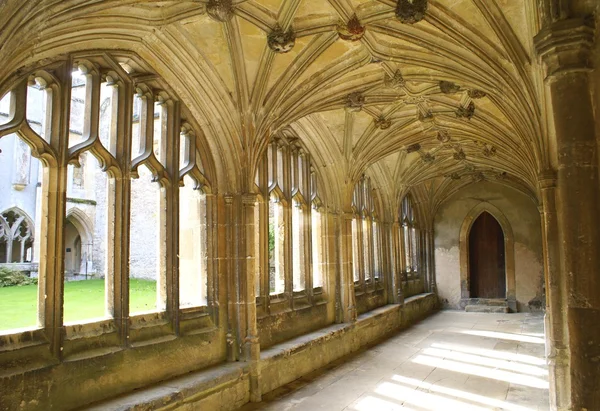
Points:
point(84, 300)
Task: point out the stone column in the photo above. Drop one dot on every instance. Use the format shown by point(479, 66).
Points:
point(397, 294)
point(248, 261)
point(565, 47)
point(347, 297)
point(225, 226)
point(555, 320)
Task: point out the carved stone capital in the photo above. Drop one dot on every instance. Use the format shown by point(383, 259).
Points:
point(547, 179)
point(249, 199)
point(566, 46)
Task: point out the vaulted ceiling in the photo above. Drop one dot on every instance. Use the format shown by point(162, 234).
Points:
point(450, 97)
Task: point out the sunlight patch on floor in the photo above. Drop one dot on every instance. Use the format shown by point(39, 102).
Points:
point(484, 361)
point(505, 336)
point(503, 355)
point(480, 371)
point(459, 394)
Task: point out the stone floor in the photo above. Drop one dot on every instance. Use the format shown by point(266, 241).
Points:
point(451, 361)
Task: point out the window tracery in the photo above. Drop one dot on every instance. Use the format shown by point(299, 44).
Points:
point(16, 237)
point(292, 224)
point(366, 236)
point(128, 127)
point(411, 240)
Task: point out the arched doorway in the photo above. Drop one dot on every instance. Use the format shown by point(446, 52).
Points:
point(487, 267)
point(72, 249)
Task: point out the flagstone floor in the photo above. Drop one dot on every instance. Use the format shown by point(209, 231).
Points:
point(451, 361)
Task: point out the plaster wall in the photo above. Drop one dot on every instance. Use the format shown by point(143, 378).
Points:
point(524, 219)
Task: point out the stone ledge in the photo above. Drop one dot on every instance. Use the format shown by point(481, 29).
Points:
point(288, 361)
point(190, 388)
point(226, 386)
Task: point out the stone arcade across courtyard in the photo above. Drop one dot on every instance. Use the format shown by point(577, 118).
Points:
point(252, 190)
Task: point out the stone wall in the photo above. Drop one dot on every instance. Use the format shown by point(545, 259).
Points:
point(524, 219)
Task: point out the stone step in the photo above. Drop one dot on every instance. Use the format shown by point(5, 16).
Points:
point(488, 301)
point(486, 309)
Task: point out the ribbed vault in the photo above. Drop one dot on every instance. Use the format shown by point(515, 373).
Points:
point(436, 104)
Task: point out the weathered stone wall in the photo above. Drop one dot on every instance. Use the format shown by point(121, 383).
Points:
point(524, 219)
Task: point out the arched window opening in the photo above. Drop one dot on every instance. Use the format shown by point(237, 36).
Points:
point(317, 232)
point(121, 195)
point(411, 240)
point(289, 225)
point(277, 245)
point(192, 246)
point(20, 217)
point(89, 219)
point(298, 246)
point(366, 248)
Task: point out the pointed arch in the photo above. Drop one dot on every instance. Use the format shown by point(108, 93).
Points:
point(82, 222)
point(509, 247)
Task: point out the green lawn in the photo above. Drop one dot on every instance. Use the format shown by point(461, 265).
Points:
point(84, 300)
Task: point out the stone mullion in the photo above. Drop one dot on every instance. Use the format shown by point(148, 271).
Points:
point(119, 204)
point(263, 212)
point(555, 319)
point(395, 286)
point(360, 250)
point(370, 253)
point(347, 294)
point(424, 244)
point(169, 151)
point(54, 196)
point(249, 267)
point(431, 261)
point(565, 48)
point(402, 250)
point(385, 244)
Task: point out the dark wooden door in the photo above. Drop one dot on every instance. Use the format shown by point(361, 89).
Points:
point(487, 272)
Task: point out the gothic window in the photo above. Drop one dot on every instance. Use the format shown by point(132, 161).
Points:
point(292, 223)
point(410, 239)
point(194, 210)
point(16, 236)
point(366, 237)
point(316, 226)
point(128, 142)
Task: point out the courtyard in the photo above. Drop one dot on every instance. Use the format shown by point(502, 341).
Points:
point(84, 300)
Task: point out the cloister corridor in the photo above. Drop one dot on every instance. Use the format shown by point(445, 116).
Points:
point(450, 361)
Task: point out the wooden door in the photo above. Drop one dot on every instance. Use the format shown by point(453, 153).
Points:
point(487, 272)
